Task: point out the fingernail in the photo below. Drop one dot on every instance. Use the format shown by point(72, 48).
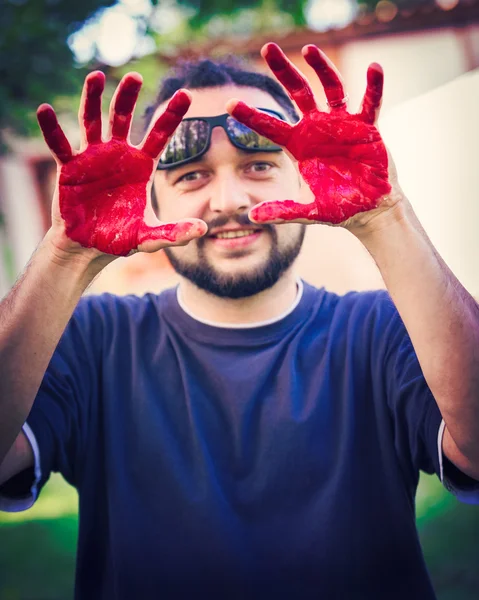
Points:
point(96, 82)
point(241, 110)
point(275, 57)
point(180, 102)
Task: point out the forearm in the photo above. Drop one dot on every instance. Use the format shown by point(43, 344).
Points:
point(441, 317)
point(32, 319)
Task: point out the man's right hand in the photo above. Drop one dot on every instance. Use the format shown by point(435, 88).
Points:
point(102, 195)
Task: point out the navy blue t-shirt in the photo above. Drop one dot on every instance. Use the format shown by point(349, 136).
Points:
point(278, 461)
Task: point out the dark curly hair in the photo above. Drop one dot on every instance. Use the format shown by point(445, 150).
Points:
point(204, 73)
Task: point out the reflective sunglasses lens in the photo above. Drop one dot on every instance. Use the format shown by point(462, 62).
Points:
point(247, 138)
point(189, 140)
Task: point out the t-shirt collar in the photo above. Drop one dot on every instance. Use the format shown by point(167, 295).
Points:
point(288, 311)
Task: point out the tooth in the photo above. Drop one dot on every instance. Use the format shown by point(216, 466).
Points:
point(235, 234)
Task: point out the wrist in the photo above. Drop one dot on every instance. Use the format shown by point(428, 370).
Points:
point(392, 215)
point(394, 235)
point(73, 258)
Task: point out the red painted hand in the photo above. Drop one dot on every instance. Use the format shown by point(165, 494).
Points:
point(103, 190)
point(341, 156)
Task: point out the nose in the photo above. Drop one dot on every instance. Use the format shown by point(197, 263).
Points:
point(229, 194)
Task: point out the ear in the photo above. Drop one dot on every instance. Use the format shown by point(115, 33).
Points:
point(305, 192)
point(154, 200)
point(301, 181)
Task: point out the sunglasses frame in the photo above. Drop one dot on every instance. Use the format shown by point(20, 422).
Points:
point(220, 121)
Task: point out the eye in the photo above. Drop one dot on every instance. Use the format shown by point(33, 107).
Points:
point(259, 167)
point(191, 176)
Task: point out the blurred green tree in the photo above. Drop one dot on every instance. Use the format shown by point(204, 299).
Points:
point(207, 9)
point(35, 59)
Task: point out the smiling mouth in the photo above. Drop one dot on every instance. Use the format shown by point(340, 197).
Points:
point(237, 233)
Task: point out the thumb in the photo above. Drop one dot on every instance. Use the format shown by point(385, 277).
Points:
point(179, 233)
point(284, 210)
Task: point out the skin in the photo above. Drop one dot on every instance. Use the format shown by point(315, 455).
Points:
point(341, 156)
point(440, 316)
point(442, 319)
point(224, 183)
point(103, 189)
point(101, 209)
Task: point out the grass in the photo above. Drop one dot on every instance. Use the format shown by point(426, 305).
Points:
point(450, 538)
point(38, 546)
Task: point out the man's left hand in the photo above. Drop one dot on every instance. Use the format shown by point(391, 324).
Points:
point(340, 155)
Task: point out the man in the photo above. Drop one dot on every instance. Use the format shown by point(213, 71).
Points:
point(246, 435)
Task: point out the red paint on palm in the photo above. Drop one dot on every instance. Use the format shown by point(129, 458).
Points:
point(344, 162)
point(103, 190)
point(103, 196)
point(341, 156)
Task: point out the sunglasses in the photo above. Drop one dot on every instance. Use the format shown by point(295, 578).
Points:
point(192, 138)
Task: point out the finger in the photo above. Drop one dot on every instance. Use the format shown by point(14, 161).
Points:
point(90, 107)
point(293, 80)
point(329, 76)
point(52, 132)
point(151, 239)
point(274, 129)
point(123, 104)
point(371, 104)
point(166, 123)
point(286, 210)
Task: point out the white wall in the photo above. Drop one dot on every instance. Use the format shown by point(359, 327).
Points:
point(434, 143)
point(21, 208)
point(430, 121)
point(434, 140)
point(5, 282)
point(413, 63)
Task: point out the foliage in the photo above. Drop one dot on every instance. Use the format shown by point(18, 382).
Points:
point(205, 10)
point(37, 559)
point(36, 63)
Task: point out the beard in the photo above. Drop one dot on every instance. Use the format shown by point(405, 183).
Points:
point(204, 275)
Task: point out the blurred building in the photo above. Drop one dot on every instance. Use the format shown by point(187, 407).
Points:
point(430, 54)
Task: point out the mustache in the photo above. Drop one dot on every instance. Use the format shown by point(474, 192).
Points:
point(239, 219)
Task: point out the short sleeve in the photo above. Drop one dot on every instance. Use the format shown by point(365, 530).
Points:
point(465, 488)
point(415, 414)
point(417, 420)
point(58, 425)
point(21, 491)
